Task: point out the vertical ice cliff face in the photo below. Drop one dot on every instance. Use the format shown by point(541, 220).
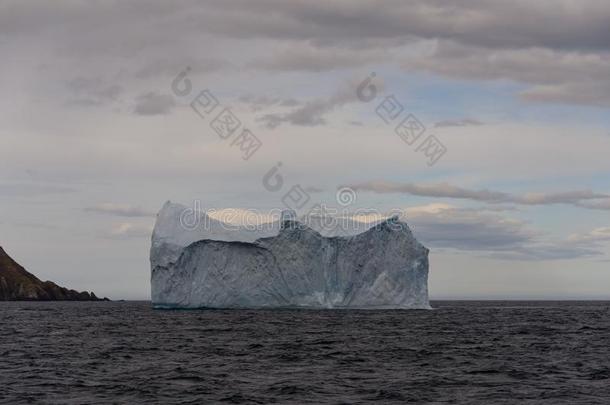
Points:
point(285, 264)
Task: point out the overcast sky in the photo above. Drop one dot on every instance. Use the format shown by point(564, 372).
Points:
point(97, 131)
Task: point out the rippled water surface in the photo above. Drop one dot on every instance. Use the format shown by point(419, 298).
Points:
point(461, 352)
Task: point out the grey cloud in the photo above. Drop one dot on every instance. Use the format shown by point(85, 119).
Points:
point(290, 102)
point(122, 210)
point(468, 230)
point(561, 251)
point(442, 190)
point(579, 77)
point(312, 113)
point(529, 65)
point(474, 40)
point(163, 68)
point(272, 121)
point(516, 24)
point(91, 29)
point(30, 225)
point(95, 91)
point(561, 50)
point(464, 122)
point(154, 103)
point(491, 234)
point(258, 103)
point(309, 58)
point(571, 24)
point(582, 198)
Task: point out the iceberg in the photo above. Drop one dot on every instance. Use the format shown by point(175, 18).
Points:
point(286, 263)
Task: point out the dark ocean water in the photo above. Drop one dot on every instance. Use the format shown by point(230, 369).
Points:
point(461, 352)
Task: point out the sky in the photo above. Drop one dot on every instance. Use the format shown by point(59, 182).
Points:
point(487, 123)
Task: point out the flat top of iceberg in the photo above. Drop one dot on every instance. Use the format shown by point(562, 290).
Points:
point(180, 225)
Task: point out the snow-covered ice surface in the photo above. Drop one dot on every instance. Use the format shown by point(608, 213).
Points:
point(285, 264)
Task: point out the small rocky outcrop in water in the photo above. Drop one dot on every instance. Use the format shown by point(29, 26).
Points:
point(17, 284)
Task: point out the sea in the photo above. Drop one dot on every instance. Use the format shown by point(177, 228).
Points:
point(461, 352)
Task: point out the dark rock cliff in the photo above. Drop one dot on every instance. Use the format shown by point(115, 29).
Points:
point(17, 284)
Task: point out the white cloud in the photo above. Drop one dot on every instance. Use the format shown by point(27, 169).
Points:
point(596, 236)
point(131, 230)
point(123, 210)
